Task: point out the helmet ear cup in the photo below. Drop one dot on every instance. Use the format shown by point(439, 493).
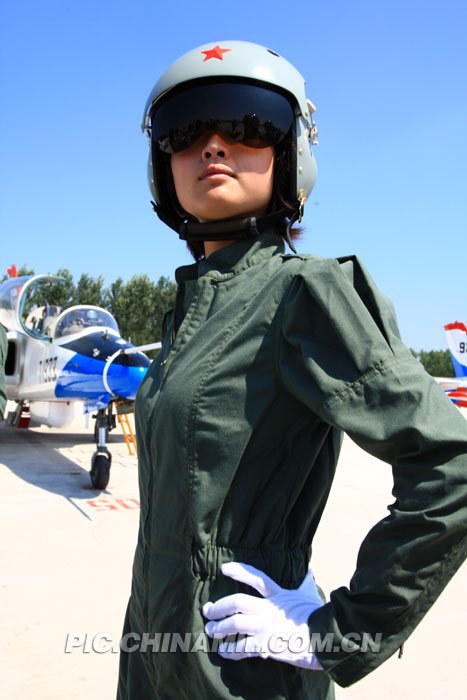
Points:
point(306, 169)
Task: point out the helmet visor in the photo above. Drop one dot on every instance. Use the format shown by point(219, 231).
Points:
point(245, 112)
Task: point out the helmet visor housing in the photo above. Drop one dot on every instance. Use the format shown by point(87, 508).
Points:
point(248, 113)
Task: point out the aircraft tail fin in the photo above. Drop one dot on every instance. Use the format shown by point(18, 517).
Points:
point(456, 334)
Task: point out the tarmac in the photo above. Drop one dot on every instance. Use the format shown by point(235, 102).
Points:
point(65, 568)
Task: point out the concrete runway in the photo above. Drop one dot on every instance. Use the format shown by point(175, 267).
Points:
point(65, 564)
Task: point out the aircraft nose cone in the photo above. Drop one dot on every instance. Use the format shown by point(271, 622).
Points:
point(124, 380)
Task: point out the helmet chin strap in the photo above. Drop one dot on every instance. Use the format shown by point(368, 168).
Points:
point(249, 227)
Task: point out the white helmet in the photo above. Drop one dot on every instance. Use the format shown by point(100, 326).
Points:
point(238, 87)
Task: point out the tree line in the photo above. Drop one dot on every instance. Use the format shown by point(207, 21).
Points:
point(436, 362)
point(139, 306)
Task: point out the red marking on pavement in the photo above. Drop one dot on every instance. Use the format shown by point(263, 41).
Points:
point(134, 503)
point(101, 504)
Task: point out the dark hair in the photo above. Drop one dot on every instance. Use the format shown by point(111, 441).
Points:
point(283, 189)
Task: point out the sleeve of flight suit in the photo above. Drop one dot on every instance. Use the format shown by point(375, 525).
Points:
point(340, 353)
point(3, 353)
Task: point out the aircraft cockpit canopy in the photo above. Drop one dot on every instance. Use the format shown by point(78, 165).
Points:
point(34, 304)
point(10, 292)
point(78, 318)
point(26, 302)
point(39, 304)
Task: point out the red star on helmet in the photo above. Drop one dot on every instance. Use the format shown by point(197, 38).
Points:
point(216, 52)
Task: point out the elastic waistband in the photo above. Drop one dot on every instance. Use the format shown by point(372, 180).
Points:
point(286, 566)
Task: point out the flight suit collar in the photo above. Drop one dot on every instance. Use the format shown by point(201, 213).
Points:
point(234, 258)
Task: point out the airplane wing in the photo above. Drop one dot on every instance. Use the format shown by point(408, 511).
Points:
point(455, 389)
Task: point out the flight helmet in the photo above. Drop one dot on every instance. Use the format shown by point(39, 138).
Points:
point(237, 87)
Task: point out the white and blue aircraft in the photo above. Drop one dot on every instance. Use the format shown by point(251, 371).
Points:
point(456, 334)
point(59, 357)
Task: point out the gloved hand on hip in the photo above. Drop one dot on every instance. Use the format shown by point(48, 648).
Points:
point(276, 625)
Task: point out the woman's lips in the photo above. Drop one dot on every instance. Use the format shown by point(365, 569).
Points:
point(215, 171)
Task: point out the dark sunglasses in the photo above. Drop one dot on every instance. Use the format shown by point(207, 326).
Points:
point(245, 112)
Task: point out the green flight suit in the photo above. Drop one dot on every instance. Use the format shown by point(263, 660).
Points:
point(266, 358)
point(3, 354)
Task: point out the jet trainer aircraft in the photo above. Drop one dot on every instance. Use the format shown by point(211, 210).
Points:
point(456, 389)
point(57, 357)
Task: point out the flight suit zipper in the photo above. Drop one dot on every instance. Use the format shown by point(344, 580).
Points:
point(177, 318)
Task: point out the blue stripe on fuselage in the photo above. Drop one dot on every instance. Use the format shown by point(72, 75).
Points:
point(81, 378)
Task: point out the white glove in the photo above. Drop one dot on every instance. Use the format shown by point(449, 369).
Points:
point(276, 625)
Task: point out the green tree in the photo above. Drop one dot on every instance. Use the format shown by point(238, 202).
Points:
point(437, 362)
point(164, 299)
point(139, 306)
point(62, 295)
point(116, 302)
point(90, 290)
point(25, 270)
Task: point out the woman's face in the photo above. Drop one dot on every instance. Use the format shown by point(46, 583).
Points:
point(218, 178)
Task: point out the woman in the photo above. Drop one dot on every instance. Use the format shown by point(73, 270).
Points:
point(266, 359)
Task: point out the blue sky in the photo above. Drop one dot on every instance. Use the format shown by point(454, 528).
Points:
point(389, 82)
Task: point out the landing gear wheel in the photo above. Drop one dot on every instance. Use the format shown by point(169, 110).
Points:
point(100, 470)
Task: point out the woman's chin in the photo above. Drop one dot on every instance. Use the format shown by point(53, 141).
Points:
point(220, 213)
point(224, 210)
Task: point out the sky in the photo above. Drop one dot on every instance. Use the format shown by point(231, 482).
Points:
point(389, 80)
